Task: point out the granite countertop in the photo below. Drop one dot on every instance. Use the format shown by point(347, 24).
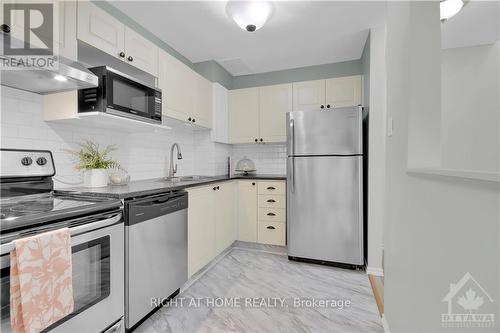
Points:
point(154, 186)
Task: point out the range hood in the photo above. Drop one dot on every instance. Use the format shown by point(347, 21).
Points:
point(69, 75)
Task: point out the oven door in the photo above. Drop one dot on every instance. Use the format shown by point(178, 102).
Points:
point(98, 265)
point(129, 98)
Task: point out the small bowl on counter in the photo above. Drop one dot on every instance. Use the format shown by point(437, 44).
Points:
point(118, 177)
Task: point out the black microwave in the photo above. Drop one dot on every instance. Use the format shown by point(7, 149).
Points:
point(119, 94)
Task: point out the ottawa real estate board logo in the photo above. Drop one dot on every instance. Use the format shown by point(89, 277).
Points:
point(469, 305)
point(28, 33)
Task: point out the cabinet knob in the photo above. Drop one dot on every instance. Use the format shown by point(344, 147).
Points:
point(194, 120)
point(130, 58)
point(270, 227)
point(271, 188)
point(189, 119)
point(271, 200)
point(322, 106)
point(271, 214)
point(253, 184)
point(121, 54)
point(218, 187)
point(214, 188)
point(5, 28)
point(256, 140)
point(328, 106)
point(261, 140)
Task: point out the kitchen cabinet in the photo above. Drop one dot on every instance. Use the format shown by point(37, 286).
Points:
point(201, 227)
point(140, 52)
point(243, 115)
point(275, 102)
point(220, 116)
point(101, 30)
point(211, 223)
point(308, 95)
point(330, 93)
point(247, 210)
point(271, 225)
point(225, 216)
point(187, 95)
point(343, 91)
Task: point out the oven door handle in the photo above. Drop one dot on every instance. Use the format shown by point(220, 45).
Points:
point(8, 247)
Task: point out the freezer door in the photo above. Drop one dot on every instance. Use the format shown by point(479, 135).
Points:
point(325, 132)
point(324, 208)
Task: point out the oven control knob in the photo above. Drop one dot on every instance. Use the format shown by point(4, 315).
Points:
point(26, 161)
point(41, 161)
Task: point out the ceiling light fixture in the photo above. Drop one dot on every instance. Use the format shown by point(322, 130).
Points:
point(249, 15)
point(449, 8)
point(60, 78)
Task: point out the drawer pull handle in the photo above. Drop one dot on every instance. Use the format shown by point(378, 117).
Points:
point(271, 200)
point(270, 227)
point(271, 214)
point(271, 188)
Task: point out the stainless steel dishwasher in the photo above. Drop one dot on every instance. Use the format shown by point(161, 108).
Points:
point(155, 253)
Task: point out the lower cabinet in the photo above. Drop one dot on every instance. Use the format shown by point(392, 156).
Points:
point(261, 212)
point(211, 223)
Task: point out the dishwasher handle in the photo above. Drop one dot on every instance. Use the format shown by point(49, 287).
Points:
point(149, 208)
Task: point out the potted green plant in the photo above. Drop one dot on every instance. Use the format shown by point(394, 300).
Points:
point(94, 163)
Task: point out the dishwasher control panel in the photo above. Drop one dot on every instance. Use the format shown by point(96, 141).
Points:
point(148, 208)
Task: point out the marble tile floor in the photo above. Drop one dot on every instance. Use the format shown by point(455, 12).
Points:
point(265, 292)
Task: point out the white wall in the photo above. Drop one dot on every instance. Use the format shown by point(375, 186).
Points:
point(268, 158)
point(438, 228)
point(143, 155)
point(377, 167)
point(470, 108)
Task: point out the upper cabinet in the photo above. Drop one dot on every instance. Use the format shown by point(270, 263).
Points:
point(103, 31)
point(308, 95)
point(258, 114)
point(244, 115)
point(275, 102)
point(220, 117)
point(330, 93)
point(343, 91)
point(187, 96)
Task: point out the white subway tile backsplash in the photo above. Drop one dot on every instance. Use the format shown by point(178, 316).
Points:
point(143, 155)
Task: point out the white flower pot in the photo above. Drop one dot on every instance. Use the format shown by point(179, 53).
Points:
point(95, 178)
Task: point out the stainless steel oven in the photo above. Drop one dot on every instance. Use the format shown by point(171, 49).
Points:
point(122, 95)
point(98, 264)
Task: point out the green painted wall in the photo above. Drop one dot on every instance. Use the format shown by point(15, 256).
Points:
point(216, 73)
point(318, 72)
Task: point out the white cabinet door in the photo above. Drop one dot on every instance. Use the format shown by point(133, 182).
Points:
point(68, 44)
point(99, 29)
point(202, 113)
point(140, 52)
point(275, 102)
point(225, 216)
point(174, 80)
point(343, 91)
point(247, 210)
point(201, 228)
point(308, 95)
point(244, 115)
point(220, 126)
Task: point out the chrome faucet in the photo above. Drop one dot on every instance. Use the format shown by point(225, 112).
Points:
point(173, 169)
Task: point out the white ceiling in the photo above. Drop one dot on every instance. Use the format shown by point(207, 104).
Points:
point(300, 33)
point(477, 23)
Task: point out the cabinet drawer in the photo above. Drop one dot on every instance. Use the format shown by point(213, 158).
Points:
point(272, 214)
point(272, 201)
point(272, 187)
point(271, 233)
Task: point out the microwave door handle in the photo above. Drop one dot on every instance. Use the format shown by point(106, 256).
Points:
point(8, 247)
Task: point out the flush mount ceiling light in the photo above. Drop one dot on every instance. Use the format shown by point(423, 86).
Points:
point(60, 78)
point(450, 8)
point(249, 15)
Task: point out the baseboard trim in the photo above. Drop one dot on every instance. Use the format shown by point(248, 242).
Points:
point(374, 271)
point(385, 324)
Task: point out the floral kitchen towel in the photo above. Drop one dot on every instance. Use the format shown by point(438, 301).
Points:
point(41, 284)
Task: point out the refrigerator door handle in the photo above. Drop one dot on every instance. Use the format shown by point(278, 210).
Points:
point(292, 153)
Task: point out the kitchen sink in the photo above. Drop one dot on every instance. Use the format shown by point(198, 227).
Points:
point(187, 178)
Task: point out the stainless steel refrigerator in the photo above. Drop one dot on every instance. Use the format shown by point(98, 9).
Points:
point(325, 185)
